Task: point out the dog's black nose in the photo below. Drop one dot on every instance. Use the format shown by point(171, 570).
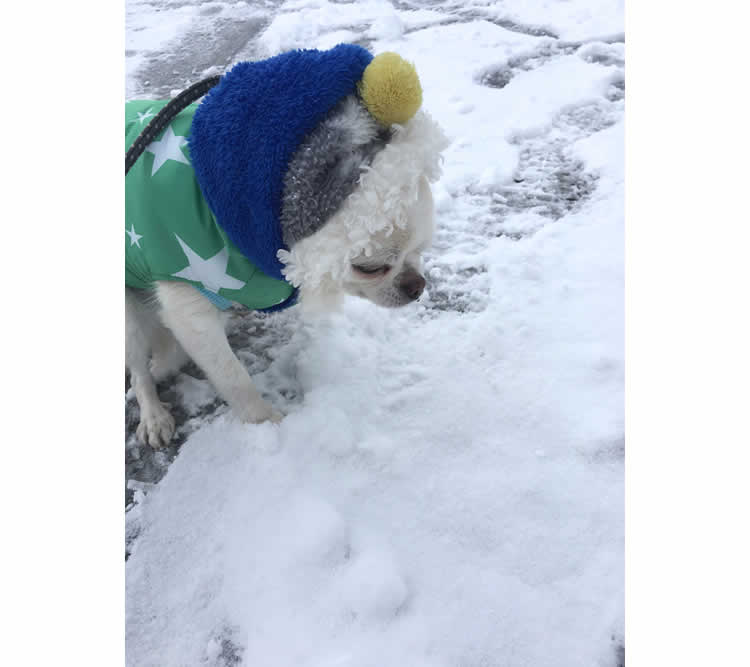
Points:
point(413, 286)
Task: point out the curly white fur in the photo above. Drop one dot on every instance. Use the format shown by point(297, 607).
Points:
point(386, 192)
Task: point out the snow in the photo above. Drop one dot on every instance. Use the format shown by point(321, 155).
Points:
point(447, 486)
point(568, 19)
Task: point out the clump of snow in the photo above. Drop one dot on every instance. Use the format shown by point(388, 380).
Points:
point(389, 26)
point(301, 24)
point(194, 394)
point(602, 52)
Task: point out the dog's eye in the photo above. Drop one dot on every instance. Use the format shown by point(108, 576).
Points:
point(372, 270)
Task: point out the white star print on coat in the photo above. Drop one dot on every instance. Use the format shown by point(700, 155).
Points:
point(134, 238)
point(169, 147)
point(144, 115)
point(211, 272)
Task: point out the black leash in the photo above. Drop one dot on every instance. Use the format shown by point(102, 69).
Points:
point(163, 118)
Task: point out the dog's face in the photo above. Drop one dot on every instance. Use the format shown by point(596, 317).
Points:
point(372, 216)
point(391, 275)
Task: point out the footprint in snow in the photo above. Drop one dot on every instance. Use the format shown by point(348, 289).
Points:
point(316, 532)
point(372, 587)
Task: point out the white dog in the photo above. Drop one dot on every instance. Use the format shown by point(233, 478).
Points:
point(365, 186)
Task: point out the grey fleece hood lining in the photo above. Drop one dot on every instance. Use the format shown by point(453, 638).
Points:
point(326, 167)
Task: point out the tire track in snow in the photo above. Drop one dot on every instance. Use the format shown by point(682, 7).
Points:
point(549, 183)
point(457, 13)
point(603, 51)
point(219, 35)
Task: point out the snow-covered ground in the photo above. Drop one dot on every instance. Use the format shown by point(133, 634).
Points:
point(447, 488)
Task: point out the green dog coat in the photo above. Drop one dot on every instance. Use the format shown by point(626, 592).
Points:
point(171, 233)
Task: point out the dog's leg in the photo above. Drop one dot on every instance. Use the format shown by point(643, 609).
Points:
point(167, 355)
point(157, 425)
point(198, 326)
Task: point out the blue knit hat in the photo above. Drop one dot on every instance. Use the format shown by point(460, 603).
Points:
point(254, 123)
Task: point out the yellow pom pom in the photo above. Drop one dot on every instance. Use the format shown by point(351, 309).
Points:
point(390, 89)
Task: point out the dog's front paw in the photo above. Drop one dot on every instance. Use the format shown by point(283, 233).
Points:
point(257, 413)
point(275, 417)
point(156, 428)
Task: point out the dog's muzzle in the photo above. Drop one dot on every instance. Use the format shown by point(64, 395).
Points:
point(412, 284)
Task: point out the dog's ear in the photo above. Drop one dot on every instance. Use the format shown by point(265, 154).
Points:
point(326, 167)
